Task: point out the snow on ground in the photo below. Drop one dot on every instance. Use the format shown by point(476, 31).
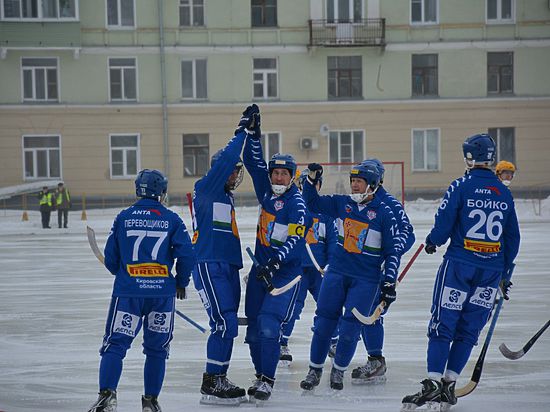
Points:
point(54, 297)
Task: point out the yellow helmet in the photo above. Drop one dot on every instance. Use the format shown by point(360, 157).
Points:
point(504, 165)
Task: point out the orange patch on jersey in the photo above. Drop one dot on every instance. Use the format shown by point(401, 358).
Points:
point(352, 231)
point(149, 270)
point(195, 237)
point(310, 237)
point(482, 247)
point(234, 228)
point(265, 227)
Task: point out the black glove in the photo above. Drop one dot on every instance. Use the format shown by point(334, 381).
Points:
point(256, 131)
point(505, 286)
point(387, 292)
point(268, 270)
point(248, 119)
point(181, 293)
point(315, 173)
point(429, 247)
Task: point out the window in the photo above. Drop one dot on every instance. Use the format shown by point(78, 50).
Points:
point(122, 79)
point(500, 73)
point(264, 13)
point(344, 11)
point(40, 9)
point(346, 146)
point(39, 79)
point(195, 155)
point(505, 138)
point(191, 13)
point(271, 144)
point(42, 157)
point(193, 79)
point(424, 75)
point(345, 77)
point(120, 13)
point(500, 11)
point(424, 11)
point(124, 155)
point(265, 78)
point(425, 150)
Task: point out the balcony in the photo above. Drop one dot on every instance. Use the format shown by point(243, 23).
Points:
point(347, 33)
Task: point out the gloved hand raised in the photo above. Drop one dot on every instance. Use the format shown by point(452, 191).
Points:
point(430, 247)
point(248, 119)
point(315, 172)
point(387, 292)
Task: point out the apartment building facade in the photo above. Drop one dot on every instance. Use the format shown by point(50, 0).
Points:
point(92, 91)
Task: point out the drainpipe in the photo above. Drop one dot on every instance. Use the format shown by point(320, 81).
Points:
point(163, 85)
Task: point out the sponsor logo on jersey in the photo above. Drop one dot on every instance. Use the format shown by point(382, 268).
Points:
point(141, 212)
point(481, 246)
point(147, 270)
point(453, 298)
point(155, 211)
point(296, 230)
point(371, 214)
point(159, 322)
point(348, 209)
point(278, 205)
point(484, 297)
point(125, 323)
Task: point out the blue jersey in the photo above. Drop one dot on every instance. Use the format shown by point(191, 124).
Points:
point(321, 238)
point(405, 229)
point(283, 219)
point(478, 214)
point(214, 221)
point(366, 235)
point(141, 248)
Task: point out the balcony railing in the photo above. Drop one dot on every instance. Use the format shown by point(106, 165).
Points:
point(347, 33)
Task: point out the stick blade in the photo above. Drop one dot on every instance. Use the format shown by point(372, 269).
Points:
point(368, 320)
point(507, 353)
point(283, 289)
point(466, 389)
point(93, 244)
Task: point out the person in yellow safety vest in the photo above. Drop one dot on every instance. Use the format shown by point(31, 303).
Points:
point(62, 204)
point(45, 201)
point(505, 171)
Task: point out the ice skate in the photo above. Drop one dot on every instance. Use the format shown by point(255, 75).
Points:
point(336, 379)
point(150, 404)
point(448, 397)
point(285, 357)
point(237, 391)
point(216, 390)
point(374, 371)
point(255, 384)
point(106, 402)
point(332, 350)
point(312, 379)
point(428, 398)
point(263, 392)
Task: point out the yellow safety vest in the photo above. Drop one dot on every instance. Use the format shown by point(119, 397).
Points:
point(46, 199)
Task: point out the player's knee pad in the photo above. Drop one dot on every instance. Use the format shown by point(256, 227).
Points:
point(114, 348)
point(269, 327)
point(324, 327)
point(251, 332)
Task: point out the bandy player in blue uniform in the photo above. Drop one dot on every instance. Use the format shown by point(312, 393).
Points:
point(478, 214)
point(279, 248)
point(144, 241)
point(321, 238)
point(366, 240)
point(373, 335)
point(216, 274)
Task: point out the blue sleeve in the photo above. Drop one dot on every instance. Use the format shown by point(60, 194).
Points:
point(392, 258)
point(253, 159)
point(223, 168)
point(512, 237)
point(332, 238)
point(446, 215)
point(183, 251)
point(112, 251)
point(327, 205)
point(297, 218)
point(406, 231)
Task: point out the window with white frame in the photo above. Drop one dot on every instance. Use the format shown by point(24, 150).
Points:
point(424, 11)
point(344, 11)
point(122, 79)
point(425, 150)
point(346, 146)
point(500, 11)
point(505, 139)
point(39, 9)
point(120, 13)
point(124, 155)
point(265, 75)
point(193, 79)
point(271, 144)
point(195, 154)
point(39, 79)
point(42, 157)
point(500, 72)
point(191, 13)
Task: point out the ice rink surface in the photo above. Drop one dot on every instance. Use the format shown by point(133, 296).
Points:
point(54, 297)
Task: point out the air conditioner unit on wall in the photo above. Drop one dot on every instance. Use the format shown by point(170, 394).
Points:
point(308, 143)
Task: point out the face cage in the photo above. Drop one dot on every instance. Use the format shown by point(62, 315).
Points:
point(361, 197)
point(238, 180)
point(470, 164)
